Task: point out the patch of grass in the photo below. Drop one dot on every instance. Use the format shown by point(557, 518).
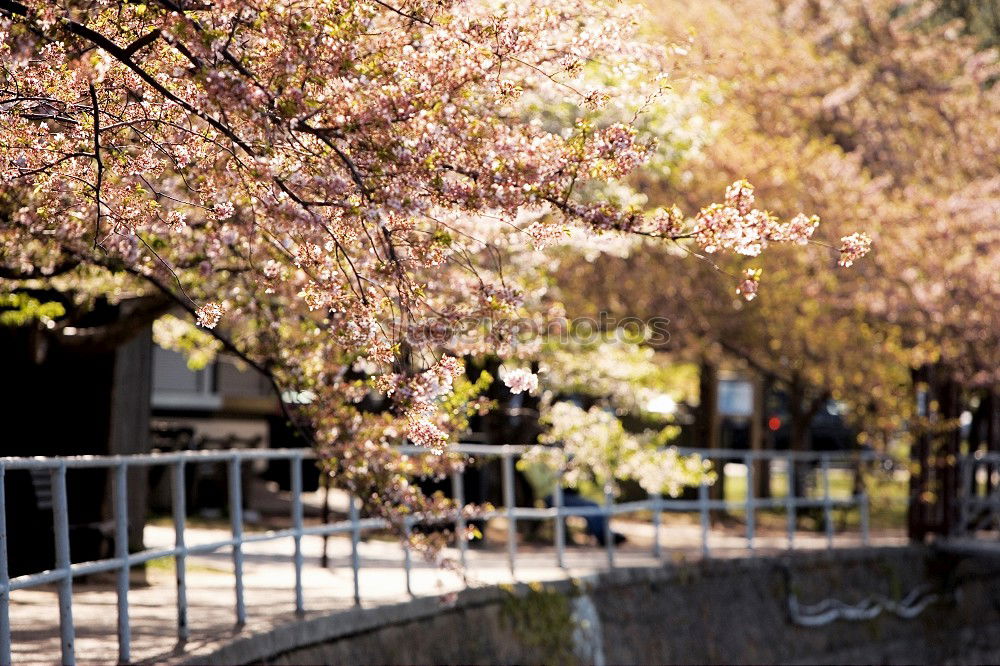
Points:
point(887, 497)
point(169, 565)
point(542, 619)
point(198, 522)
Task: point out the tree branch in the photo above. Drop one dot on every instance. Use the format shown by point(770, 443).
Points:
point(110, 336)
point(100, 162)
point(14, 8)
point(143, 42)
point(263, 368)
point(36, 273)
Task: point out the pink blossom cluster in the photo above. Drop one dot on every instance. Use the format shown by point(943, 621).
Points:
point(798, 230)
point(417, 397)
point(617, 146)
point(418, 392)
point(209, 314)
point(747, 288)
point(740, 196)
point(423, 432)
point(223, 210)
point(669, 223)
point(736, 225)
point(272, 269)
point(501, 297)
point(854, 247)
point(543, 234)
point(519, 380)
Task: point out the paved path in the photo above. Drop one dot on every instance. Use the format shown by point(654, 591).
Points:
point(269, 579)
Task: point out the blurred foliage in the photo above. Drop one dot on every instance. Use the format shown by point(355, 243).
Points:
point(465, 400)
point(981, 18)
point(19, 309)
point(197, 346)
point(627, 374)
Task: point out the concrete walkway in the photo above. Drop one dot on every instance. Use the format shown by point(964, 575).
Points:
point(269, 580)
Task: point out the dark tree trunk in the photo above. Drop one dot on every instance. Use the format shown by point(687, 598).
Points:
point(993, 423)
point(707, 416)
point(130, 427)
point(760, 436)
point(64, 398)
point(798, 435)
point(917, 510)
point(934, 483)
point(979, 436)
point(802, 411)
point(707, 423)
point(946, 456)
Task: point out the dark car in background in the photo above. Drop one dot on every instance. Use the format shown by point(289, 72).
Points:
point(827, 432)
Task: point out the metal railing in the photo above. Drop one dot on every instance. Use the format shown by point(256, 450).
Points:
point(979, 494)
point(65, 571)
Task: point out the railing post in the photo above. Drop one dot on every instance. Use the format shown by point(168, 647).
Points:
point(705, 518)
point(324, 559)
point(355, 540)
point(559, 528)
point(4, 578)
point(827, 506)
point(657, 518)
point(121, 553)
point(508, 500)
point(966, 467)
point(236, 520)
point(790, 499)
point(863, 509)
point(751, 508)
point(461, 537)
point(991, 492)
point(407, 557)
point(296, 464)
point(180, 518)
point(609, 540)
point(60, 523)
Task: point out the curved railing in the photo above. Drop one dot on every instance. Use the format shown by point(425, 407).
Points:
point(65, 571)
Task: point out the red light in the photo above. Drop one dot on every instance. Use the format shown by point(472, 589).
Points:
point(774, 423)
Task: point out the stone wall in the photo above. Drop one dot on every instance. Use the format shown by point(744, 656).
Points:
point(737, 611)
point(717, 611)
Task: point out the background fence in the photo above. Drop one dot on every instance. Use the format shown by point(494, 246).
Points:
point(979, 496)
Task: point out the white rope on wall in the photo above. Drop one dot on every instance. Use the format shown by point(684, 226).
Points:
point(830, 610)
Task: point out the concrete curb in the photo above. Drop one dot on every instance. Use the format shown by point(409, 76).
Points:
point(341, 624)
point(294, 635)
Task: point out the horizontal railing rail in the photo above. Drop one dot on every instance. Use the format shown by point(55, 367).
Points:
point(65, 571)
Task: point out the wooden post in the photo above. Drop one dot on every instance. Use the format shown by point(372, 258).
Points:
point(129, 427)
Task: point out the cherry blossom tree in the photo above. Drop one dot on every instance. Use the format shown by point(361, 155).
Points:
point(872, 114)
point(323, 184)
